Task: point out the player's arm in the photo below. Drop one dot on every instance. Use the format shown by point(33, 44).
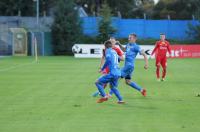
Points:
point(145, 59)
point(120, 54)
point(169, 49)
point(106, 62)
point(155, 48)
point(102, 59)
point(121, 47)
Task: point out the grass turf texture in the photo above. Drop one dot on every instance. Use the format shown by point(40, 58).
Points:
point(54, 95)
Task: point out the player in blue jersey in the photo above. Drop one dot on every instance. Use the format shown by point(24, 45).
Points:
point(111, 61)
point(106, 71)
point(131, 50)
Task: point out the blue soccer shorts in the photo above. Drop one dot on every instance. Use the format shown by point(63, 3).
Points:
point(108, 78)
point(127, 71)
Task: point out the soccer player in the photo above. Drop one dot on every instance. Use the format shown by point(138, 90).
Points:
point(114, 47)
point(160, 50)
point(106, 71)
point(131, 50)
point(111, 61)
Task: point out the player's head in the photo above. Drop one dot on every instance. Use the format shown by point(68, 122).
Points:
point(108, 44)
point(112, 40)
point(132, 38)
point(162, 36)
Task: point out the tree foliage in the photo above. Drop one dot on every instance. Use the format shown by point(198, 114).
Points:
point(176, 9)
point(105, 28)
point(194, 29)
point(12, 7)
point(66, 29)
point(24, 7)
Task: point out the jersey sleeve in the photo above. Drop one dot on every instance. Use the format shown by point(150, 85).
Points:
point(155, 48)
point(137, 49)
point(119, 51)
point(108, 57)
point(168, 48)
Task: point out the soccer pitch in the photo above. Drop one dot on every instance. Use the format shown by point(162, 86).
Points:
point(54, 95)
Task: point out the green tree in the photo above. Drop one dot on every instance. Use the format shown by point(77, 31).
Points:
point(194, 30)
point(12, 7)
point(105, 28)
point(88, 5)
point(125, 7)
point(177, 9)
point(25, 7)
point(66, 29)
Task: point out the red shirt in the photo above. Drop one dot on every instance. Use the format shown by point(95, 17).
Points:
point(118, 50)
point(161, 48)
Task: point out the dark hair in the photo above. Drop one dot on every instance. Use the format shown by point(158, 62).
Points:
point(162, 34)
point(108, 44)
point(133, 34)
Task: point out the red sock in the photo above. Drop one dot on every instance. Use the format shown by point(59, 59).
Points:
point(158, 71)
point(164, 72)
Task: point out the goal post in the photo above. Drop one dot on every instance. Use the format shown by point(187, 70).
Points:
point(35, 49)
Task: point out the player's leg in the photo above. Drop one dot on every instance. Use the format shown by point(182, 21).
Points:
point(124, 71)
point(104, 72)
point(114, 84)
point(109, 95)
point(158, 68)
point(100, 88)
point(95, 94)
point(135, 85)
point(164, 67)
point(128, 81)
point(99, 84)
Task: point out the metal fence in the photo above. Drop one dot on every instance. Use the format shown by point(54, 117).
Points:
point(5, 40)
point(11, 43)
point(174, 29)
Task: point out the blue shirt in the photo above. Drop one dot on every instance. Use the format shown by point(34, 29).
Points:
point(111, 60)
point(132, 49)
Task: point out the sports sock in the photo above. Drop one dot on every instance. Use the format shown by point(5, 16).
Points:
point(135, 86)
point(158, 72)
point(117, 94)
point(95, 94)
point(111, 92)
point(101, 89)
point(164, 72)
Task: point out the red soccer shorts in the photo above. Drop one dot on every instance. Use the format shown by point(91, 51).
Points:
point(161, 61)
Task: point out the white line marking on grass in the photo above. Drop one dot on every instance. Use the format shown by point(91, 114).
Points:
point(16, 66)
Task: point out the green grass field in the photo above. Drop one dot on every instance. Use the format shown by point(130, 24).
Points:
point(54, 95)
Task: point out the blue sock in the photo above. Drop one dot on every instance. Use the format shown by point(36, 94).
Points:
point(111, 92)
point(101, 89)
point(117, 94)
point(135, 86)
point(95, 94)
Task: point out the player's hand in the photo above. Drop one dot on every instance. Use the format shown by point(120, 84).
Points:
point(145, 66)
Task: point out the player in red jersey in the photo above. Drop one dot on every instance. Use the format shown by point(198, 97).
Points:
point(161, 48)
point(120, 54)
